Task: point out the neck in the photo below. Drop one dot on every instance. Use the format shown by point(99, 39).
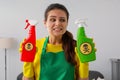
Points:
point(55, 40)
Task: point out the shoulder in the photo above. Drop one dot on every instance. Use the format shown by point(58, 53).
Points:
point(40, 41)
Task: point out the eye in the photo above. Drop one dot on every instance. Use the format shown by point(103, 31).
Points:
point(52, 19)
point(62, 20)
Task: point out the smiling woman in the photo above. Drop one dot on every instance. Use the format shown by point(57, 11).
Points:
point(56, 57)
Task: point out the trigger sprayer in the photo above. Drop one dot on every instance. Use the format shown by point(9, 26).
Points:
point(29, 44)
point(85, 45)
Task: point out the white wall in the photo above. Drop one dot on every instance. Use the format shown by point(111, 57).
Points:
point(103, 25)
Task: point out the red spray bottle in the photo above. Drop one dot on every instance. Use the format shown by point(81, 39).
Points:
point(29, 44)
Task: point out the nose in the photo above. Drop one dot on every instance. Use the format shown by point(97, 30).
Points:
point(57, 22)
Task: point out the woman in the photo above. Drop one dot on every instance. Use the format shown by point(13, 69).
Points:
point(56, 57)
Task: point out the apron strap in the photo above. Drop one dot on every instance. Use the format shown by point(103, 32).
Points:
point(45, 45)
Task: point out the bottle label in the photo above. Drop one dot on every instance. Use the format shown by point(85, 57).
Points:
point(28, 46)
point(85, 48)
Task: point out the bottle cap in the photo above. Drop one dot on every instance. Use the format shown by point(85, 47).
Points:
point(31, 22)
point(81, 22)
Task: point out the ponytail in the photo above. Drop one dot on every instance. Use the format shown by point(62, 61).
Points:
point(69, 47)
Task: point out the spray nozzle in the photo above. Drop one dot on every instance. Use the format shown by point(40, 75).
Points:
point(30, 22)
point(81, 22)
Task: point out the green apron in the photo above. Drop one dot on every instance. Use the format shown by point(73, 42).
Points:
point(54, 66)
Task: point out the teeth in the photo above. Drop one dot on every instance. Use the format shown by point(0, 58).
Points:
point(57, 28)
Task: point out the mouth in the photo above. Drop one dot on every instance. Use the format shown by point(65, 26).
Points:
point(58, 29)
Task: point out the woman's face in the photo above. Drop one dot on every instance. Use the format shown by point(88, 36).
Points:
point(56, 22)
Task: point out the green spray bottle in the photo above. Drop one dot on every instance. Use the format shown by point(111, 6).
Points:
point(85, 46)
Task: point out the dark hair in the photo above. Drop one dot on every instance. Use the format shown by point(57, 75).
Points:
point(56, 6)
point(69, 47)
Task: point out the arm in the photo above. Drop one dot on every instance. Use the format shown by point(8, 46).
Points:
point(28, 73)
point(83, 71)
point(82, 68)
point(27, 68)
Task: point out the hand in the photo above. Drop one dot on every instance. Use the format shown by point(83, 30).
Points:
point(94, 45)
point(21, 44)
